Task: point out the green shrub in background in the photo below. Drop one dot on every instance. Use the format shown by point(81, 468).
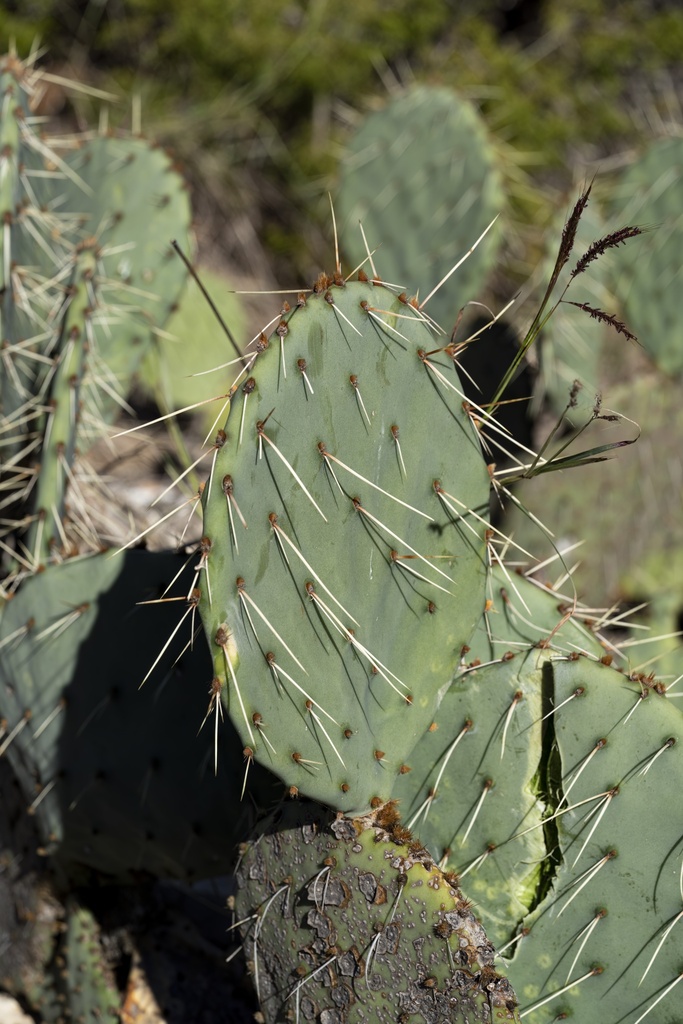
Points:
point(258, 97)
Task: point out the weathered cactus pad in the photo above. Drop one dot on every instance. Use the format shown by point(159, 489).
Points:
point(349, 921)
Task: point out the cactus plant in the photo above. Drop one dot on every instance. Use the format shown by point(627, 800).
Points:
point(69, 977)
point(517, 790)
point(475, 780)
point(421, 176)
point(74, 650)
point(365, 646)
point(88, 985)
point(602, 943)
point(89, 278)
point(314, 499)
point(88, 275)
point(351, 920)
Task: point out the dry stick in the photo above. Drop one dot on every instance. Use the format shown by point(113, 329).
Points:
point(208, 298)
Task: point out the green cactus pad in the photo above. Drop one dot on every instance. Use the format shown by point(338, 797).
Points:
point(349, 920)
point(475, 793)
point(421, 177)
point(521, 741)
point(340, 580)
point(134, 204)
point(87, 280)
point(63, 421)
point(105, 766)
point(650, 193)
point(25, 250)
point(120, 197)
point(605, 943)
point(88, 981)
point(68, 977)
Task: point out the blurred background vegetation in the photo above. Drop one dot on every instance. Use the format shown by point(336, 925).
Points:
point(257, 97)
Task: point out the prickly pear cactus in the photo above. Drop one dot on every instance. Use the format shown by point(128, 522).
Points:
point(69, 979)
point(604, 942)
point(541, 786)
point(119, 197)
point(87, 276)
point(350, 920)
point(25, 264)
point(421, 176)
point(89, 986)
point(342, 550)
point(133, 203)
point(477, 790)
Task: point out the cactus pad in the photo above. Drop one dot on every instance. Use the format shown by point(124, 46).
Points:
point(349, 920)
point(87, 276)
point(650, 192)
point(421, 177)
point(605, 942)
point(343, 547)
point(550, 808)
point(103, 765)
point(475, 782)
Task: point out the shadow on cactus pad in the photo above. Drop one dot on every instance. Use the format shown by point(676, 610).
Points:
point(117, 777)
